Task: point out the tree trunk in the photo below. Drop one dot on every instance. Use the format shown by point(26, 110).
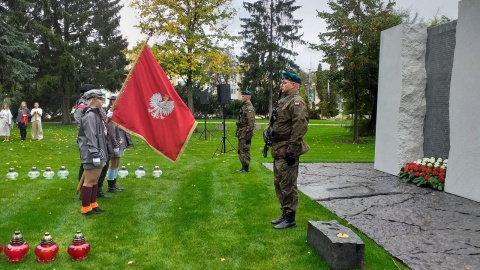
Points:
point(355, 117)
point(270, 100)
point(66, 119)
point(190, 92)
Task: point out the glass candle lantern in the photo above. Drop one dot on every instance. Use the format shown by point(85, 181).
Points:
point(47, 249)
point(17, 248)
point(79, 248)
point(140, 172)
point(62, 173)
point(12, 174)
point(48, 173)
point(122, 173)
point(157, 172)
point(33, 173)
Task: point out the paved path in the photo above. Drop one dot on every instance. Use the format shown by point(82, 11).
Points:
point(424, 228)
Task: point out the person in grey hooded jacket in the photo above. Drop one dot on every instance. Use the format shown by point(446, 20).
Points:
point(92, 142)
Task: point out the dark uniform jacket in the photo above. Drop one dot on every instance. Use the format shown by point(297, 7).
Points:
point(290, 126)
point(246, 121)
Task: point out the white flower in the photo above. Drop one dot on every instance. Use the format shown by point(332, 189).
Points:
point(439, 160)
point(445, 161)
point(443, 166)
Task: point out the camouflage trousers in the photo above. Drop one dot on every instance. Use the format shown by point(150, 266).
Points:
point(286, 184)
point(244, 151)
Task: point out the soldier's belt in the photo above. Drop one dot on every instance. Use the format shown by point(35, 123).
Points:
point(279, 138)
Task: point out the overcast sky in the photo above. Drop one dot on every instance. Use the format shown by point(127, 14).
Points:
point(312, 25)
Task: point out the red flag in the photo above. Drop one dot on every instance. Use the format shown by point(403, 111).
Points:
point(150, 108)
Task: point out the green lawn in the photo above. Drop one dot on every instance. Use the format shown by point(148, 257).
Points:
point(200, 214)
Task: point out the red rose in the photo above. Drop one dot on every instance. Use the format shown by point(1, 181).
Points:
point(416, 174)
point(435, 173)
point(423, 173)
point(427, 177)
point(441, 179)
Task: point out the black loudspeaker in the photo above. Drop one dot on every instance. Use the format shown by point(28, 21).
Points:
point(204, 98)
point(223, 93)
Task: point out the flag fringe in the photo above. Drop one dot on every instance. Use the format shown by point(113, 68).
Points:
point(141, 137)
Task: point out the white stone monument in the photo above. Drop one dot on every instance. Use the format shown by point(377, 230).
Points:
point(401, 97)
point(463, 171)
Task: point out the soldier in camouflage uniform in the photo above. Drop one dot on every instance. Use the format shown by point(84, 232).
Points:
point(289, 128)
point(245, 129)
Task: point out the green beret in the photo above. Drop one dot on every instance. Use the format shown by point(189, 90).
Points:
point(246, 93)
point(291, 77)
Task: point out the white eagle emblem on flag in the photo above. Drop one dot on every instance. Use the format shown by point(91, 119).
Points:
point(160, 106)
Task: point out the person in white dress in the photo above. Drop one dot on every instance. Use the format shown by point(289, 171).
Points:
point(36, 113)
point(6, 119)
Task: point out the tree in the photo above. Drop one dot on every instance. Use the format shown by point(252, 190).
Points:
point(79, 42)
point(16, 54)
point(105, 53)
point(193, 32)
point(57, 30)
point(270, 34)
point(352, 42)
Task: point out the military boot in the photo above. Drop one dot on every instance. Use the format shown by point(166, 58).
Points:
point(244, 169)
point(288, 222)
point(280, 219)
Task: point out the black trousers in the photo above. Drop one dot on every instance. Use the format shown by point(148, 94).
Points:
point(23, 131)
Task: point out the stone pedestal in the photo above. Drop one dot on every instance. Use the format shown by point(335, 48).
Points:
point(401, 97)
point(258, 126)
point(464, 158)
point(339, 253)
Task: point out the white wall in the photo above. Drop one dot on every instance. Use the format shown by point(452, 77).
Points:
point(463, 171)
point(401, 97)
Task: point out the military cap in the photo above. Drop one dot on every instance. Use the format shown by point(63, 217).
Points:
point(86, 87)
point(291, 77)
point(94, 93)
point(246, 93)
point(113, 97)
